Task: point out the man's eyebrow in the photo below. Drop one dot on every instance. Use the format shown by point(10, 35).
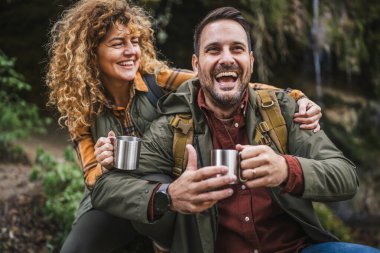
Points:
point(237, 43)
point(211, 44)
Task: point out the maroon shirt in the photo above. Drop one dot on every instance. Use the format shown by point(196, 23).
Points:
point(250, 221)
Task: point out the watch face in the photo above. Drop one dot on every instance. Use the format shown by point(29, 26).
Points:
point(161, 202)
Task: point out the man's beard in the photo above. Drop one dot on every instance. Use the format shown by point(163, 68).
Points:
point(220, 99)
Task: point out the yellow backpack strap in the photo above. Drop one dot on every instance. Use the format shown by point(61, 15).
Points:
point(183, 134)
point(273, 123)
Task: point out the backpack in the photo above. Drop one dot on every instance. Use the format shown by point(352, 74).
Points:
point(271, 129)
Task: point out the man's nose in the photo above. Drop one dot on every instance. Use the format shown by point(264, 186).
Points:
point(227, 58)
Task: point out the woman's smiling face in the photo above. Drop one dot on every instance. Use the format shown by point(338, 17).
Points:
point(119, 55)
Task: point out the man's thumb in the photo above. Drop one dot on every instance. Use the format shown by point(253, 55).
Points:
point(191, 157)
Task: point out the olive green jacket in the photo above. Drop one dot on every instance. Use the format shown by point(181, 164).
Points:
point(328, 175)
point(143, 113)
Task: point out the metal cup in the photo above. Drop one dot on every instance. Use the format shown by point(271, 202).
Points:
point(127, 152)
point(229, 158)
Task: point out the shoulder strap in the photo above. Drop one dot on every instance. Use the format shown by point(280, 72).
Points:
point(154, 91)
point(273, 126)
point(183, 134)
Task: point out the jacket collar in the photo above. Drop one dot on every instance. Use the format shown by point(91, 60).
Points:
point(139, 83)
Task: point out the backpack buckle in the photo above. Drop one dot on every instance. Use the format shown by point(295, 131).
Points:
point(183, 126)
point(263, 126)
point(267, 104)
point(265, 139)
point(180, 123)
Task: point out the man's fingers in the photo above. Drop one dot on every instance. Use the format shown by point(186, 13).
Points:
point(259, 182)
point(209, 172)
point(215, 182)
point(213, 196)
point(240, 147)
point(191, 158)
point(254, 173)
point(252, 162)
point(252, 151)
point(317, 128)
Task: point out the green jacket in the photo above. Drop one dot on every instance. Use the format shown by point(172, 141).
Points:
point(143, 113)
point(328, 175)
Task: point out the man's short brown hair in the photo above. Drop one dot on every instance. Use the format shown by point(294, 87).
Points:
point(228, 13)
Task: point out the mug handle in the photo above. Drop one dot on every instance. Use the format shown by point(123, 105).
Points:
point(240, 177)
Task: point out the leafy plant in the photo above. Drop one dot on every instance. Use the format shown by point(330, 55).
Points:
point(62, 183)
point(63, 187)
point(18, 118)
point(332, 223)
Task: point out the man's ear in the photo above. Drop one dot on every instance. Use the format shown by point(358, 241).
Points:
point(194, 63)
point(252, 60)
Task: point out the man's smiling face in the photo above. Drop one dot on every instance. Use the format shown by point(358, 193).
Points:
point(224, 64)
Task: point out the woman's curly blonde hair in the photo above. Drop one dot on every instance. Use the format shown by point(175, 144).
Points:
point(73, 75)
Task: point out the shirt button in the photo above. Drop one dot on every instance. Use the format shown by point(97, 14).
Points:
point(246, 218)
point(242, 106)
point(236, 124)
point(255, 251)
point(243, 187)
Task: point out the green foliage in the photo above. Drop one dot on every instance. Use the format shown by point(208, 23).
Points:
point(332, 223)
point(18, 119)
point(62, 183)
point(63, 186)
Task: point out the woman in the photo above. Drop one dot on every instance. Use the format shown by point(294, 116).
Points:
point(100, 51)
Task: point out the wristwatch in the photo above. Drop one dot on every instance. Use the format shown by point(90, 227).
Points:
point(162, 200)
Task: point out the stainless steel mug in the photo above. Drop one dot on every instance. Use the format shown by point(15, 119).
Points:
point(229, 158)
point(127, 152)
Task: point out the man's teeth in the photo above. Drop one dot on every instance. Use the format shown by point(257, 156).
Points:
point(222, 74)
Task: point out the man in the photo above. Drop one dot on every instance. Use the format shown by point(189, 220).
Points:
point(272, 211)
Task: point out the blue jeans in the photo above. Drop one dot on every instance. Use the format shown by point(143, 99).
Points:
point(339, 247)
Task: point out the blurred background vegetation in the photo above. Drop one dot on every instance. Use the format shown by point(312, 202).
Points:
point(328, 49)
